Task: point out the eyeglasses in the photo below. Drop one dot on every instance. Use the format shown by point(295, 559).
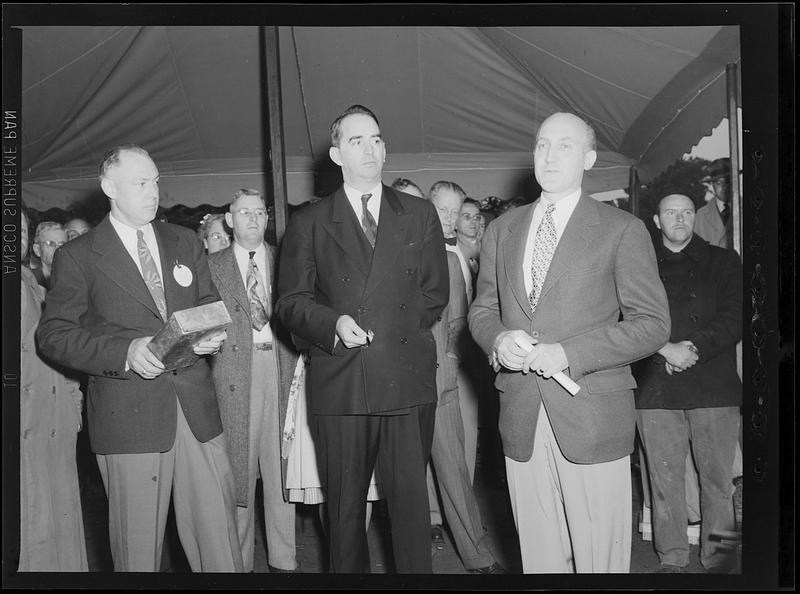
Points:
point(52, 244)
point(259, 213)
point(218, 236)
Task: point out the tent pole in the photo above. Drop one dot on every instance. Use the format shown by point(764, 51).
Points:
point(633, 190)
point(733, 140)
point(275, 115)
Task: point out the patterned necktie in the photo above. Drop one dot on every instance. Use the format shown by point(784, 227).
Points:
point(150, 275)
point(368, 221)
point(256, 295)
point(543, 249)
point(725, 212)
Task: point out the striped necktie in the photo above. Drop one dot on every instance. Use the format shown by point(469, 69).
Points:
point(150, 275)
point(256, 295)
point(368, 221)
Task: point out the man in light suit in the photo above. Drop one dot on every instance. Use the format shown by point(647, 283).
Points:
point(714, 220)
point(568, 284)
point(252, 375)
point(155, 432)
point(363, 277)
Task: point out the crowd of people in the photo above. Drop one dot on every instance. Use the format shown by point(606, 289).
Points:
point(358, 358)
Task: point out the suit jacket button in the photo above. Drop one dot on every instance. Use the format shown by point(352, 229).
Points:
point(437, 366)
point(403, 306)
point(174, 372)
point(409, 271)
point(693, 317)
point(362, 309)
point(235, 348)
point(692, 295)
point(237, 308)
point(535, 334)
point(403, 340)
point(345, 279)
point(232, 388)
point(438, 318)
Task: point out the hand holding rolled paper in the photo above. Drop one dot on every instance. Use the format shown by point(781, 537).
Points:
point(548, 360)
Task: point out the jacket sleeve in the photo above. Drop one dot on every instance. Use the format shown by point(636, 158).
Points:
point(645, 324)
point(62, 337)
point(297, 308)
point(485, 322)
point(724, 329)
point(434, 278)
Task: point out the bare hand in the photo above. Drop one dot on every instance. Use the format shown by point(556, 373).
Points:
point(211, 345)
point(350, 333)
point(142, 360)
point(546, 360)
point(511, 347)
point(680, 355)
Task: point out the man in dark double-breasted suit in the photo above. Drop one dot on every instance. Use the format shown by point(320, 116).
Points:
point(365, 315)
point(154, 432)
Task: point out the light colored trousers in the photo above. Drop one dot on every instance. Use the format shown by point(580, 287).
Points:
point(570, 517)
point(200, 478)
point(264, 455)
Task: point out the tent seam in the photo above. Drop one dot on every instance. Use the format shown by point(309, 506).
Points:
point(171, 55)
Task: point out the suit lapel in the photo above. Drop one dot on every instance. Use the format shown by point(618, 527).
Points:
point(346, 231)
point(392, 228)
point(514, 255)
point(581, 229)
point(226, 269)
point(116, 263)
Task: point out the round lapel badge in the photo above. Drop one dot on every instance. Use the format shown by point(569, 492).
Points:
point(182, 274)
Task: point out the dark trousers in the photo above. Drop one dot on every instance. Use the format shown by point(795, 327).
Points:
point(398, 446)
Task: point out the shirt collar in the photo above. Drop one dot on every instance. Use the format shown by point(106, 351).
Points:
point(567, 203)
point(241, 252)
point(694, 249)
point(123, 229)
point(355, 195)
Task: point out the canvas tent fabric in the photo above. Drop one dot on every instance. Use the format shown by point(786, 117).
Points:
point(460, 103)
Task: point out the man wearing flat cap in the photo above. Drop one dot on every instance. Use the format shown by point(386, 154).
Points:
point(713, 222)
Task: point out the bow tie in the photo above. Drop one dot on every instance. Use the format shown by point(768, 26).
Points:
point(451, 240)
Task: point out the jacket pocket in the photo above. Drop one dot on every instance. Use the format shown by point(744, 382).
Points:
point(610, 380)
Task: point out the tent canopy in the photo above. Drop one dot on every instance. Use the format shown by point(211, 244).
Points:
point(460, 103)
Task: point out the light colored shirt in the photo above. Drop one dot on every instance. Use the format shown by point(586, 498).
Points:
point(720, 205)
point(242, 256)
point(561, 216)
point(130, 240)
point(373, 205)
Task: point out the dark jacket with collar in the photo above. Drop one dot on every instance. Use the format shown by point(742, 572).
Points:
point(704, 289)
point(327, 269)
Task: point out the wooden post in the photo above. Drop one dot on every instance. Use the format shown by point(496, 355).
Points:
point(275, 117)
point(633, 190)
point(733, 140)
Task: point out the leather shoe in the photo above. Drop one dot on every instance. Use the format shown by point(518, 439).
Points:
point(273, 569)
point(668, 568)
point(493, 569)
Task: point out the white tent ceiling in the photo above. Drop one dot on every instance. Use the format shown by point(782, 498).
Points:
point(450, 99)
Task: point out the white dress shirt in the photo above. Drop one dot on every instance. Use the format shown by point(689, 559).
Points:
point(242, 256)
point(373, 205)
point(561, 216)
point(131, 242)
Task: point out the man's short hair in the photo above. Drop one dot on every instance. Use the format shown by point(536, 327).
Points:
point(246, 192)
point(446, 185)
point(336, 126)
point(473, 202)
point(111, 158)
point(402, 183)
point(46, 226)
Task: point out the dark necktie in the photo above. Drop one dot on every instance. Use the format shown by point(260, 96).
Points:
point(725, 212)
point(544, 247)
point(451, 240)
point(150, 275)
point(368, 221)
point(256, 295)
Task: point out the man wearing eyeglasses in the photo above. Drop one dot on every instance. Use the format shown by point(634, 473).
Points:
point(713, 221)
point(49, 237)
point(252, 374)
point(155, 433)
